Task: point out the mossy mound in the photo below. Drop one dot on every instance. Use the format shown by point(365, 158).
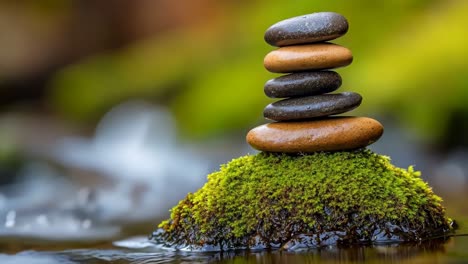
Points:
point(282, 201)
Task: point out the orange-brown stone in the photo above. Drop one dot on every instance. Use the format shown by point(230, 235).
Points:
point(307, 57)
point(331, 134)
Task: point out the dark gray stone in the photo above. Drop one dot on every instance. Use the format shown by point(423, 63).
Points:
point(312, 106)
point(310, 28)
point(303, 84)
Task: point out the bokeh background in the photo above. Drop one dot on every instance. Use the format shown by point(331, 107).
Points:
point(111, 111)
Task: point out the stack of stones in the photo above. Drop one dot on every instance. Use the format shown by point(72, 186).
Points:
point(304, 122)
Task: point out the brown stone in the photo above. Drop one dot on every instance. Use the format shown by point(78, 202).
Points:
point(307, 57)
point(330, 134)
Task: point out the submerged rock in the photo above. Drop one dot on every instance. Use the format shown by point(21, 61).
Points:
point(285, 201)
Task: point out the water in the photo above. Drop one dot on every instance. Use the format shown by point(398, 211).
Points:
point(139, 250)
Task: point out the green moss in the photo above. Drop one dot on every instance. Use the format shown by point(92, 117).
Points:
point(279, 200)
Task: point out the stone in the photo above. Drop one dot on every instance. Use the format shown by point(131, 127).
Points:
point(307, 57)
point(303, 84)
point(330, 134)
point(291, 203)
point(309, 28)
point(312, 106)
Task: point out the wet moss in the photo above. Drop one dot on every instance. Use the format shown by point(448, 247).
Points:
point(278, 200)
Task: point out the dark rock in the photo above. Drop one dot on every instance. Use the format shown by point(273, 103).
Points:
point(303, 84)
point(310, 28)
point(312, 106)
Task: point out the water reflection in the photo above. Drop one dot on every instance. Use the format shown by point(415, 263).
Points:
point(31, 258)
point(441, 250)
point(382, 253)
point(138, 250)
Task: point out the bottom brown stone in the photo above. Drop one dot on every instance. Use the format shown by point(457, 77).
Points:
point(330, 134)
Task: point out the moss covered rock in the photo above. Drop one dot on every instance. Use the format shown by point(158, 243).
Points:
point(282, 201)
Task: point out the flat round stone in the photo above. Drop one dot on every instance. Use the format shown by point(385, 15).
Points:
point(307, 57)
point(331, 134)
point(303, 84)
point(310, 28)
point(312, 106)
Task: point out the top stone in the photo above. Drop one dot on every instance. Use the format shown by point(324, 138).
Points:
point(315, 27)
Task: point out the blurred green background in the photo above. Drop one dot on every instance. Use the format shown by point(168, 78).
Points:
point(73, 60)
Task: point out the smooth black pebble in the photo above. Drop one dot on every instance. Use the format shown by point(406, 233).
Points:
point(303, 84)
point(312, 106)
point(315, 27)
